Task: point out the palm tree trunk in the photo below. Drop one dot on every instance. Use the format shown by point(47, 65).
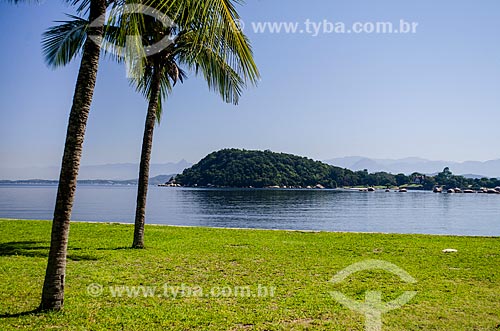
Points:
point(147, 145)
point(53, 287)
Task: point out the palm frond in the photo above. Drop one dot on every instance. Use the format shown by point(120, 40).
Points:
point(207, 42)
point(213, 21)
point(219, 75)
point(61, 43)
point(82, 5)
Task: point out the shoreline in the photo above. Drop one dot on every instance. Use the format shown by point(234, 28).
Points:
point(362, 189)
point(264, 230)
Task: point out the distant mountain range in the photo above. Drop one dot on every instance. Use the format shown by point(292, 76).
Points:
point(115, 172)
point(469, 169)
point(126, 171)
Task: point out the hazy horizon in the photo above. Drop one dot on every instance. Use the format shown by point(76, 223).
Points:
point(194, 161)
point(126, 171)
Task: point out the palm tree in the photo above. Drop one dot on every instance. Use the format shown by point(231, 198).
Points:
point(161, 73)
point(61, 45)
point(53, 287)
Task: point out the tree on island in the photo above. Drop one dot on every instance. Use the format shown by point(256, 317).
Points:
point(259, 169)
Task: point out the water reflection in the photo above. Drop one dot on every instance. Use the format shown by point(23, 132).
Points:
point(329, 210)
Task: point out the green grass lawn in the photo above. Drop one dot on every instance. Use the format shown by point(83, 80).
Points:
point(457, 291)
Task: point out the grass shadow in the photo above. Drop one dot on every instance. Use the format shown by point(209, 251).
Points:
point(116, 249)
point(38, 249)
point(24, 248)
point(24, 313)
point(82, 257)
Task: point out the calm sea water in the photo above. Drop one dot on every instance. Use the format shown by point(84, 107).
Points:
point(327, 210)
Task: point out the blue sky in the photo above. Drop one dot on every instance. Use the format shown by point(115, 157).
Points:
point(434, 94)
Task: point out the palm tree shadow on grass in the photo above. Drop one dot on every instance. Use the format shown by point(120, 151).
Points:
point(24, 313)
point(125, 248)
point(23, 248)
point(38, 249)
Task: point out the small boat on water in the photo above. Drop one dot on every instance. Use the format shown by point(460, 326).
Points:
point(469, 191)
point(457, 190)
point(437, 190)
point(492, 191)
point(403, 190)
point(451, 190)
point(371, 189)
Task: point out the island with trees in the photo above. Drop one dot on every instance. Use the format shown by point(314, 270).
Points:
point(266, 169)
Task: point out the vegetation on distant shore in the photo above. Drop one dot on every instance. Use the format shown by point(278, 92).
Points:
point(152, 181)
point(457, 291)
point(242, 168)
